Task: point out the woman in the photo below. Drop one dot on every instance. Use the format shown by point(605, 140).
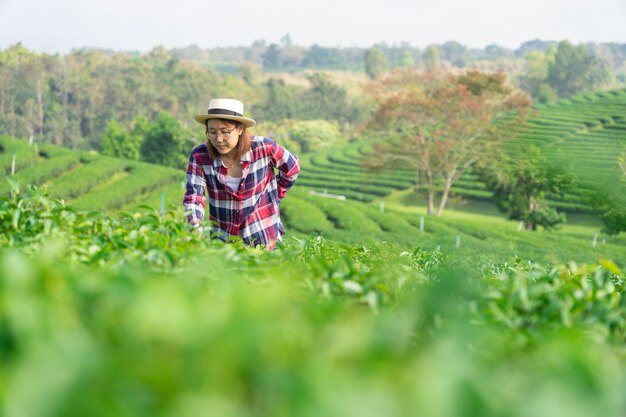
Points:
point(236, 171)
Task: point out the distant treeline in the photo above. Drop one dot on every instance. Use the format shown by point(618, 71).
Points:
point(287, 56)
point(71, 99)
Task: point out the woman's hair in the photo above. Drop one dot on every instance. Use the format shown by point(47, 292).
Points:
point(243, 145)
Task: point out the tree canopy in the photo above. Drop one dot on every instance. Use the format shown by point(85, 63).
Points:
point(574, 70)
point(442, 123)
point(521, 183)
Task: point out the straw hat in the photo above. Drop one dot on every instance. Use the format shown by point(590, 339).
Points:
point(225, 108)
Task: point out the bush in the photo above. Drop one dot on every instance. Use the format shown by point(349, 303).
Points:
point(314, 135)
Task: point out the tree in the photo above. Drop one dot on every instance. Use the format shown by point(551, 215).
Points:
point(406, 59)
point(286, 40)
point(325, 99)
point(613, 212)
point(431, 58)
point(534, 45)
point(494, 51)
point(575, 70)
point(455, 53)
point(534, 79)
point(440, 124)
point(375, 62)
point(282, 101)
point(164, 142)
point(321, 57)
point(313, 135)
point(609, 198)
point(520, 186)
point(250, 72)
point(271, 57)
point(119, 142)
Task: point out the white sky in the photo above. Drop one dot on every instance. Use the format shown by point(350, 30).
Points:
point(61, 25)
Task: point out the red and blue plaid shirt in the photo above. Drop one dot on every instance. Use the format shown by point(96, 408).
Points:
point(252, 211)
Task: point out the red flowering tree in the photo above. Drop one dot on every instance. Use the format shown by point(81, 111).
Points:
point(442, 123)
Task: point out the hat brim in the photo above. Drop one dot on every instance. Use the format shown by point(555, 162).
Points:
point(202, 118)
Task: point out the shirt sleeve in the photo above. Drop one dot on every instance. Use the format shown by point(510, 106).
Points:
point(288, 166)
point(195, 200)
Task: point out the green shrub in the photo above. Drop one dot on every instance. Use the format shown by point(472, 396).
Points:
point(304, 216)
point(313, 135)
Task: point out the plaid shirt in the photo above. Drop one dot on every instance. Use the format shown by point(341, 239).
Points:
point(251, 212)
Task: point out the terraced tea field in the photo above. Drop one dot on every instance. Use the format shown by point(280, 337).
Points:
point(86, 180)
point(588, 130)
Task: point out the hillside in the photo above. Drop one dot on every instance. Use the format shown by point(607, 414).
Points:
point(92, 182)
point(85, 180)
point(588, 131)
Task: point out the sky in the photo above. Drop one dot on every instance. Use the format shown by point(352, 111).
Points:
point(58, 26)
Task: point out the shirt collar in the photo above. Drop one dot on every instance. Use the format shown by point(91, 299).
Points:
point(246, 157)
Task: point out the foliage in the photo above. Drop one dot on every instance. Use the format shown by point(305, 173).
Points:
point(322, 100)
point(407, 59)
point(293, 58)
point(118, 142)
point(325, 100)
point(271, 57)
point(456, 53)
point(574, 70)
point(520, 185)
point(443, 123)
point(281, 101)
point(280, 131)
point(69, 100)
point(102, 316)
point(534, 79)
point(375, 63)
point(613, 215)
point(161, 141)
point(431, 58)
point(165, 142)
point(78, 94)
point(314, 135)
point(250, 72)
point(320, 57)
point(609, 198)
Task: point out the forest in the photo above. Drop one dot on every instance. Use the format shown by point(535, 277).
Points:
point(73, 100)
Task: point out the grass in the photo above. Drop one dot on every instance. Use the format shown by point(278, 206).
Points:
point(483, 230)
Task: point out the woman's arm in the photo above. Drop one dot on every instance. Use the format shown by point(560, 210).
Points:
point(288, 166)
point(195, 200)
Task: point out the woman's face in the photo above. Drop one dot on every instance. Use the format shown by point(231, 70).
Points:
point(224, 136)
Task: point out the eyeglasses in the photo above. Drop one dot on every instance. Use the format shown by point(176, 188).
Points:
point(213, 134)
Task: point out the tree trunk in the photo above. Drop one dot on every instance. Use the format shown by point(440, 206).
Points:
point(430, 192)
point(39, 108)
point(431, 201)
point(444, 196)
point(530, 225)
